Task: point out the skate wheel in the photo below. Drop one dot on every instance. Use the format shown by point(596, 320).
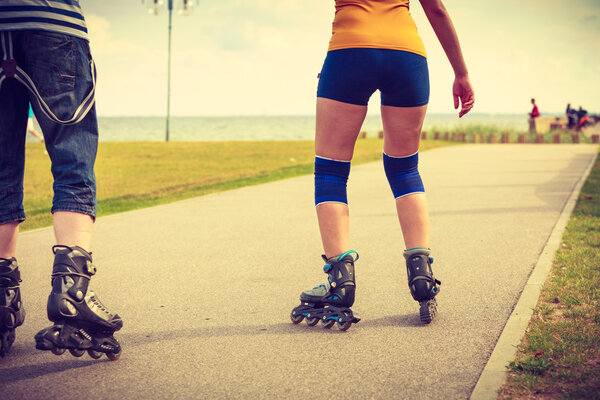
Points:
point(312, 321)
point(113, 356)
point(344, 325)
point(327, 324)
point(77, 352)
point(427, 311)
point(58, 350)
point(95, 354)
point(296, 319)
point(6, 341)
point(10, 321)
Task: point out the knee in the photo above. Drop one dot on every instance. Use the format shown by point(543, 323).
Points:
point(331, 177)
point(403, 174)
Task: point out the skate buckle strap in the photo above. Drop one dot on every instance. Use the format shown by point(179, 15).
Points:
point(90, 268)
point(425, 277)
point(418, 248)
point(13, 274)
point(57, 274)
point(339, 258)
point(349, 252)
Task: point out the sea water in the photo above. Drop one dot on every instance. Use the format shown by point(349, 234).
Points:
point(114, 129)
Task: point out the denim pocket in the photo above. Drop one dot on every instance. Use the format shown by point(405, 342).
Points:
point(51, 62)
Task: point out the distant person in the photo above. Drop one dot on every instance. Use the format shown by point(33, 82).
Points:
point(31, 127)
point(67, 116)
point(535, 113)
point(375, 46)
point(582, 119)
point(571, 117)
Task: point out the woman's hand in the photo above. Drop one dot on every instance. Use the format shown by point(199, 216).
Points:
point(462, 91)
point(444, 29)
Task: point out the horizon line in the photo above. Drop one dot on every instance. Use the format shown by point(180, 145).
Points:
point(524, 115)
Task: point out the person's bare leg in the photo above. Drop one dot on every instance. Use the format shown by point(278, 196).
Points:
point(73, 229)
point(413, 215)
point(337, 127)
point(402, 133)
point(8, 239)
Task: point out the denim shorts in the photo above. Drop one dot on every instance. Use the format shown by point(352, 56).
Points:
point(59, 65)
point(353, 75)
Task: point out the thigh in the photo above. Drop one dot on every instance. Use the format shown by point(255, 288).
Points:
point(348, 79)
point(337, 127)
point(402, 129)
point(404, 97)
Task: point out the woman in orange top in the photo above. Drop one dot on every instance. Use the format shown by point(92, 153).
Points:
point(375, 46)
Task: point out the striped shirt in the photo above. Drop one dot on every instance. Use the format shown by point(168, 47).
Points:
point(63, 16)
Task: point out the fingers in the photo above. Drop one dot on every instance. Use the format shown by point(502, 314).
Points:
point(466, 105)
point(463, 91)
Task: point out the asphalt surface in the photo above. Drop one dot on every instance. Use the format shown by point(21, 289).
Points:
point(205, 286)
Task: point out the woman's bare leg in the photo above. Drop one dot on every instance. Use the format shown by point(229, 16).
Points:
point(402, 133)
point(337, 127)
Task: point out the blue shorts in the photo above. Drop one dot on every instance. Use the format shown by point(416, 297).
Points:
point(59, 66)
point(353, 75)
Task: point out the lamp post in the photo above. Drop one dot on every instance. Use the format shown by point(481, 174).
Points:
point(185, 8)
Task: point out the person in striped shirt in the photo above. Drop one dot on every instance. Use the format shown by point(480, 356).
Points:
point(46, 61)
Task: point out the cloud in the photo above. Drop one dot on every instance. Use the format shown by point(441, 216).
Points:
point(101, 39)
point(127, 71)
point(238, 25)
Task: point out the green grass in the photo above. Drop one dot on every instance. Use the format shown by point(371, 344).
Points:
point(488, 130)
point(142, 174)
point(559, 357)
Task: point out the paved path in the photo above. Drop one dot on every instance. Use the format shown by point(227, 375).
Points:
point(205, 286)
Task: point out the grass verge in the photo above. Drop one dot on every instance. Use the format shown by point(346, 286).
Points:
point(559, 356)
point(141, 174)
point(486, 132)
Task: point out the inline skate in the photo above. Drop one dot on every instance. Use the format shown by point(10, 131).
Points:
point(81, 322)
point(423, 285)
point(12, 313)
point(331, 301)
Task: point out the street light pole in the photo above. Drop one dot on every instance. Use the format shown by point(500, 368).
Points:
point(185, 8)
point(169, 69)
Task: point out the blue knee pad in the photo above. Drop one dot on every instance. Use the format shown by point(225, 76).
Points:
point(403, 174)
point(330, 180)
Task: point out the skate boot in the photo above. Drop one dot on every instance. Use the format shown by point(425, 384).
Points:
point(81, 322)
point(331, 301)
point(423, 285)
point(12, 313)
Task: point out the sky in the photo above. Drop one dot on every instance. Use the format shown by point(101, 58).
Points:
point(262, 57)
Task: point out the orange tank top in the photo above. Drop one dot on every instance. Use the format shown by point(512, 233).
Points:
point(383, 24)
